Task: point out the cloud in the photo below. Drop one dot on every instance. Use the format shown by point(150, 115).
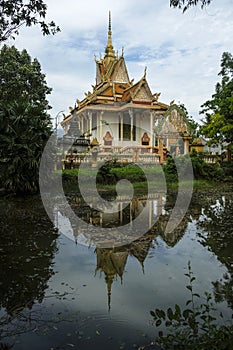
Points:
point(181, 51)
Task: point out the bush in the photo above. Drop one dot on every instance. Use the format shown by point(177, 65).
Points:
point(195, 327)
point(201, 169)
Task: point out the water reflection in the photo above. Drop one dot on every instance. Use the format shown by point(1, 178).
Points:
point(209, 212)
point(216, 233)
point(28, 246)
point(157, 215)
point(148, 268)
point(112, 261)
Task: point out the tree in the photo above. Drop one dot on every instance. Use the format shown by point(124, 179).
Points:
point(186, 4)
point(16, 13)
point(21, 78)
point(218, 122)
point(25, 125)
point(193, 126)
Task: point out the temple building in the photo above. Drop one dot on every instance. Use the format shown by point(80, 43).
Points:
point(121, 116)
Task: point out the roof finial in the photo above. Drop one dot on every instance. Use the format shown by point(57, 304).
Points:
point(109, 51)
point(109, 22)
point(145, 72)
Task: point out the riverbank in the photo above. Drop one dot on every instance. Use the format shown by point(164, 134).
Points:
point(156, 177)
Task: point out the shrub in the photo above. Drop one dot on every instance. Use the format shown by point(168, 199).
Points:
point(193, 328)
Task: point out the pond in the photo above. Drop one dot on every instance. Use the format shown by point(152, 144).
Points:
point(61, 289)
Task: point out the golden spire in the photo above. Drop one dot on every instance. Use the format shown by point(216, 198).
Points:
point(109, 51)
point(109, 23)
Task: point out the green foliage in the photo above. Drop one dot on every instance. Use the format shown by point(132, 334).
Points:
point(16, 13)
point(186, 4)
point(194, 327)
point(218, 123)
point(24, 136)
point(105, 174)
point(24, 123)
point(201, 169)
point(170, 169)
point(228, 170)
point(193, 126)
point(22, 79)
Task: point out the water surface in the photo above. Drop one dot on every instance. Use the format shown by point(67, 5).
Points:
point(60, 291)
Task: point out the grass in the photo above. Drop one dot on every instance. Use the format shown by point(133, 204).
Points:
point(108, 176)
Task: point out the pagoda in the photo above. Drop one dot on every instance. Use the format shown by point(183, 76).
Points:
point(122, 115)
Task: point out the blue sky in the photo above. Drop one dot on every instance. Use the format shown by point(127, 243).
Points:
point(182, 52)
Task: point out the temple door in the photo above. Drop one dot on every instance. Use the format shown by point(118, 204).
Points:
point(145, 142)
point(108, 141)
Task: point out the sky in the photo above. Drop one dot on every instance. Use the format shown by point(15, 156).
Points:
point(182, 52)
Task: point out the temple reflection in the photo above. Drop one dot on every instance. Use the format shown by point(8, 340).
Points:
point(111, 262)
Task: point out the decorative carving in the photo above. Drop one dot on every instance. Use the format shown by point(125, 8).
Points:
point(156, 96)
point(142, 95)
point(108, 136)
point(145, 139)
point(108, 139)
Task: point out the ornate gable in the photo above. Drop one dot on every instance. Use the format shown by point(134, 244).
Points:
point(98, 74)
point(142, 92)
point(142, 95)
point(177, 120)
point(120, 73)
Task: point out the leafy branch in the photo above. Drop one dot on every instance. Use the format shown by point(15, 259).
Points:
point(194, 327)
point(16, 13)
point(186, 4)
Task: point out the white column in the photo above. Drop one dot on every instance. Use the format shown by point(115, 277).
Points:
point(131, 127)
point(151, 130)
point(150, 208)
point(186, 146)
point(100, 127)
point(121, 123)
point(90, 123)
point(79, 123)
point(101, 218)
point(82, 122)
point(130, 214)
point(121, 213)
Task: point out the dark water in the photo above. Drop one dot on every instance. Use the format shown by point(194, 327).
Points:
point(58, 291)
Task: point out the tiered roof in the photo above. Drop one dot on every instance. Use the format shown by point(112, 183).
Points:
point(114, 86)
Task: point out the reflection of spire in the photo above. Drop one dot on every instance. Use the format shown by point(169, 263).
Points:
point(109, 280)
point(112, 263)
point(139, 249)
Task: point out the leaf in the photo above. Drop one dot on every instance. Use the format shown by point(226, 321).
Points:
point(160, 313)
point(186, 313)
point(153, 314)
point(170, 314)
point(158, 323)
point(178, 310)
point(196, 295)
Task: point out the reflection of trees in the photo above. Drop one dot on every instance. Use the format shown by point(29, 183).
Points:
point(112, 261)
point(217, 222)
point(28, 245)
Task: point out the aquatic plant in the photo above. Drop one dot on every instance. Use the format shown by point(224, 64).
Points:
point(195, 327)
